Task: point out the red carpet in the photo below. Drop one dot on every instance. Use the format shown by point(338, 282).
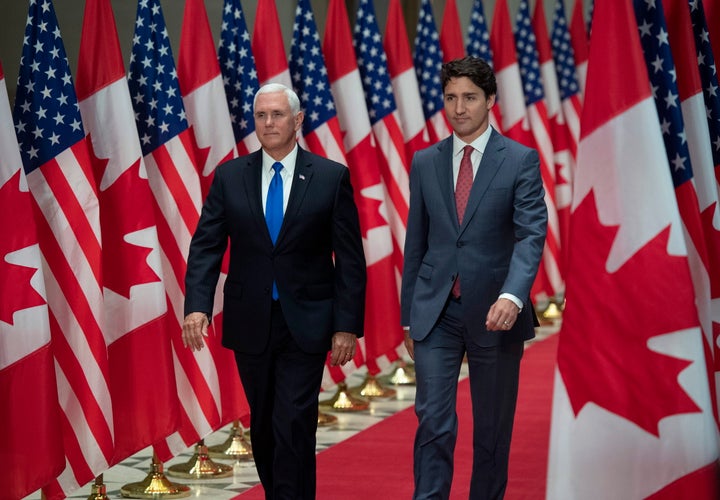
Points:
point(377, 463)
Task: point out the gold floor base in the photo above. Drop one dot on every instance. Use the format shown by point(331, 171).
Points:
point(344, 401)
point(99, 490)
point(235, 447)
point(325, 419)
point(155, 485)
point(372, 388)
point(200, 466)
point(402, 374)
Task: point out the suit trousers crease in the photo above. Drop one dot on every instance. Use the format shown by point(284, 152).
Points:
point(282, 385)
point(493, 375)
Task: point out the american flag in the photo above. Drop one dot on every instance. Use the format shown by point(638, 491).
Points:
point(478, 45)
point(321, 129)
point(57, 165)
point(404, 82)
point(134, 295)
point(167, 146)
point(428, 60)
point(706, 60)
point(383, 334)
point(550, 281)
point(564, 56)
point(203, 93)
point(579, 40)
point(380, 103)
point(240, 79)
point(664, 79)
point(478, 36)
point(27, 369)
point(451, 41)
point(705, 145)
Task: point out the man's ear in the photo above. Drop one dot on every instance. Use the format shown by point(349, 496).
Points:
point(491, 102)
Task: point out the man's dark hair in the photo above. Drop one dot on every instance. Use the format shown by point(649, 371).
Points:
point(476, 69)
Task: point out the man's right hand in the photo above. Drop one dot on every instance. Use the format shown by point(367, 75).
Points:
point(195, 327)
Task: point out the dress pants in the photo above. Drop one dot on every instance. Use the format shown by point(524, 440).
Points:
point(493, 374)
point(282, 386)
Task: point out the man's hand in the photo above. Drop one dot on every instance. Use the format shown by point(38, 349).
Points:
point(343, 348)
point(502, 315)
point(195, 327)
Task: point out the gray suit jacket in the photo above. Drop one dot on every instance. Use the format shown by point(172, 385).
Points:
point(496, 250)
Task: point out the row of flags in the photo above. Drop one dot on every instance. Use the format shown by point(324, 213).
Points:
point(105, 176)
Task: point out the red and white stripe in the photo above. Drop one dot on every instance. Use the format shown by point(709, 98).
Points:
point(27, 369)
point(383, 334)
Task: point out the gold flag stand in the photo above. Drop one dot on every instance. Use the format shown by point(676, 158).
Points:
point(554, 311)
point(236, 447)
point(402, 374)
point(98, 491)
point(155, 485)
point(200, 466)
point(325, 419)
point(372, 388)
point(344, 401)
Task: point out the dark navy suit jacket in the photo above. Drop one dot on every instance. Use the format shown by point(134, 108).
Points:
point(317, 261)
point(496, 250)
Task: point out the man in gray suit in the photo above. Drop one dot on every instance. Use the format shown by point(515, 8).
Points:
point(475, 236)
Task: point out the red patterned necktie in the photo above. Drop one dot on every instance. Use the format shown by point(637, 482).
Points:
point(462, 193)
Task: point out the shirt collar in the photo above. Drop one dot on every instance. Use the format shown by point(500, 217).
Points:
point(288, 162)
point(478, 144)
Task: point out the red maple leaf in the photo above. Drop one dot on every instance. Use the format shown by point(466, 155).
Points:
point(126, 207)
point(603, 354)
point(16, 219)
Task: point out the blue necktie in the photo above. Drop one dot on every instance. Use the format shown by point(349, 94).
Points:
point(274, 210)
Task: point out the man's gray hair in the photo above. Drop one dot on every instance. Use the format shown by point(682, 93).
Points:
point(279, 87)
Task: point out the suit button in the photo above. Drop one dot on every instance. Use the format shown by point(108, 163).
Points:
point(266, 290)
point(459, 244)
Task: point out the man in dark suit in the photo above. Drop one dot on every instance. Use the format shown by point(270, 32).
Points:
point(475, 235)
point(295, 288)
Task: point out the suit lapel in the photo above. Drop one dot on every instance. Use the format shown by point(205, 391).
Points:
point(253, 190)
point(491, 160)
point(300, 182)
point(443, 168)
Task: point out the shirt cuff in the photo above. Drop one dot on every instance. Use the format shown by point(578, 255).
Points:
point(513, 299)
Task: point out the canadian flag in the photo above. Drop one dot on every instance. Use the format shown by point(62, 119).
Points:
point(404, 81)
point(383, 334)
point(451, 41)
point(632, 413)
point(27, 370)
point(134, 295)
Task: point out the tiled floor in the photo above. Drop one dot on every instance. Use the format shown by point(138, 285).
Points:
point(244, 476)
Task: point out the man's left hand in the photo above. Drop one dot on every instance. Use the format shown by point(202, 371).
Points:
point(502, 315)
point(343, 348)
